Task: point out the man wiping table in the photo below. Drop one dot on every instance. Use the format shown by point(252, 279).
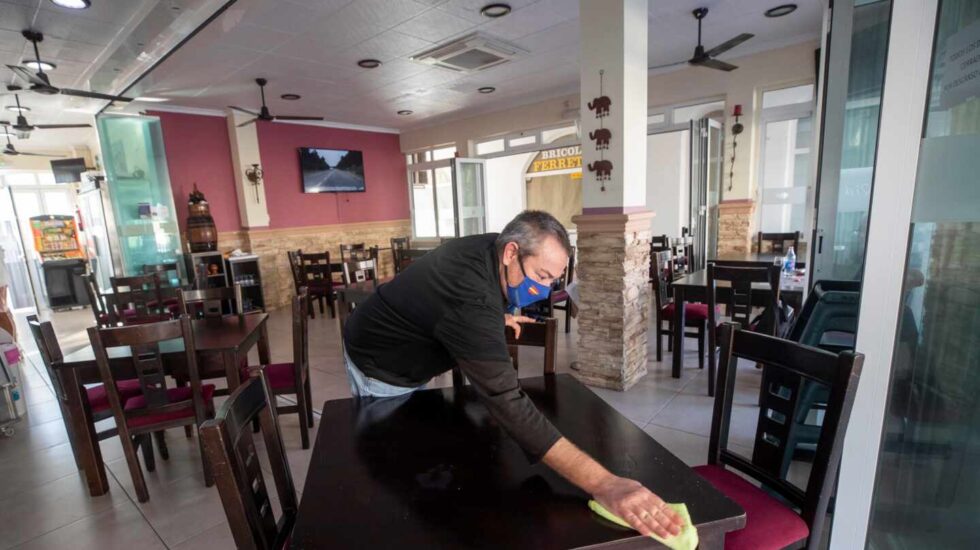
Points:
point(449, 308)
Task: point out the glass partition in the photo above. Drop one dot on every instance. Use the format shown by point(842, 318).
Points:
point(926, 491)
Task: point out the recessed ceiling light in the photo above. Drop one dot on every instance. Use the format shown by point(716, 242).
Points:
point(6, 133)
point(42, 65)
point(405, 112)
point(15, 108)
point(369, 63)
point(779, 11)
point(290, 97)
point(494, 11)
point(72, 4)
point(486, 90)
point(151, 99)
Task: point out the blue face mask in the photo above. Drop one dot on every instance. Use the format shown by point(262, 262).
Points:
point(528, 292)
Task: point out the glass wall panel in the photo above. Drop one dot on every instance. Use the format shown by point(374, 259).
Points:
point(927, 491)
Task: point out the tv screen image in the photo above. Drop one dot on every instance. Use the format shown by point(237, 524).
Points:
point(331, 170)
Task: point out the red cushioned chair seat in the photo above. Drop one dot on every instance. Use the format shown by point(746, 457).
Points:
point(280, 375)
point(769, 524)
point(98, 399)
point(559, 296)
point(174, 395)
point(103, 318)
point(693, 312)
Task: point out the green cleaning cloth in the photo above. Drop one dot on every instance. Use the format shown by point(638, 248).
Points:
point(687, 539)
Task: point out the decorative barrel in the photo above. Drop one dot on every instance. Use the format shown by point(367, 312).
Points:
point(202, 235)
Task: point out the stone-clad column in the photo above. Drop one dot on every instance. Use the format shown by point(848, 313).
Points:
point(614, 228)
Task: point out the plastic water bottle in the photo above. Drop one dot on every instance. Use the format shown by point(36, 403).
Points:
point(789, 263)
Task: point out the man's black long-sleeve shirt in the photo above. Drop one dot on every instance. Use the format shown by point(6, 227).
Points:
point(447, 309)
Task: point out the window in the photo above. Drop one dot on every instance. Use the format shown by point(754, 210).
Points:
point(554, 134)
point(521, 141)
point(687, 113)
point(444, 153)
point(431, 186)
point(786, 138)
point(490, 147)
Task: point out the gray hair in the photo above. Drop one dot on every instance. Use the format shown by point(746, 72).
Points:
point(529, 229)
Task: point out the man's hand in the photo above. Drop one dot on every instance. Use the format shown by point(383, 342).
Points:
point(643, 510)
point(513, 321)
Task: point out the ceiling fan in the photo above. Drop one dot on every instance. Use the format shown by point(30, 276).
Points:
point(24, 129)
point(40, 82)
point(707, 59)
point(264, 113)
point(9, 149)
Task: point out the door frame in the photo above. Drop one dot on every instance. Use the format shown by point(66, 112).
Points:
point(903, 105)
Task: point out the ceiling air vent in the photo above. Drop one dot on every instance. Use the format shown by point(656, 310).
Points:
point(470, 54)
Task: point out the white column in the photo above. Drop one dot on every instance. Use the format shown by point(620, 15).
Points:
point(252, 205)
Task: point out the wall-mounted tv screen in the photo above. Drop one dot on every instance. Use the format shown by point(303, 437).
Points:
point(68, 170)
point(331, 170)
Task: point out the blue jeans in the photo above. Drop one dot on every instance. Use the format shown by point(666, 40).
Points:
point(362, 385)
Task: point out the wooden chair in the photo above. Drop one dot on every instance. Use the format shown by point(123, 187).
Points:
point(93, 403)
point(695, 315)
point(317, 274)
point(558, 299)
point(777, 242)
point(95, 299)
point(542, 334)
point(739, 300)
point(135, 299)
point(797, 521)
point(158, 407)
point(659, 242)
point(294, 378)
point(209, 302)
point(355, 251)
point(166, 273)
point(295, 268)
point(359, 271)
point(398, 246)
point(241, 483)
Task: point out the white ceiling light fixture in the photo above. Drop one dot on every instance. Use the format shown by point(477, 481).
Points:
point(469, 54)
point(495, 10)
point(779, 11)
point(38, 65)
point(152, 99)
point(73, 4)
point(17, 108)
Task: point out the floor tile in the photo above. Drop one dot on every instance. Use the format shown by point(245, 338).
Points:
point(118, 528)
point(28, 470)
point(216, 538)
point(183, 509)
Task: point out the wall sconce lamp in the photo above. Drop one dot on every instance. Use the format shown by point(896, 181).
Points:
point(737, 129)
point(254, 176)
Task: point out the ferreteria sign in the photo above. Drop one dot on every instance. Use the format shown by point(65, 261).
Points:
point(566, 159)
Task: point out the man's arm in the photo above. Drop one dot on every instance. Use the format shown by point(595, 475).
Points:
point(626, 498)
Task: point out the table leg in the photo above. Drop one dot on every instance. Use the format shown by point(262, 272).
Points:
point(264, 356)
point(86, 442)
point(230, 360)
point(677, 332)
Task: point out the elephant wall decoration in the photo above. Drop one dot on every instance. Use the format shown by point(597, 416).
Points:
point(602, 169)
point(601, 138)
point(600, 105)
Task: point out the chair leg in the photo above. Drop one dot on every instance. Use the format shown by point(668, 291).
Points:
point(670, 331)
point(205, 463)
point(180, 382)
point(301, 405)
point(161, 438)
point(701, 330)
point(309, 402)
point(712, 360)
point(660, 341)
point(129, 450)
point(568, 318)
point(146, 443)
point(320, 301)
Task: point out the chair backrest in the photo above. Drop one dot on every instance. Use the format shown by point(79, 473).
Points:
point(741, 298)
point(295, 267)
point(301, 335)
point(142, 293)
point(314, 266)
point(145, 342)
point(398, 246)
point(828, 319)
point(163, 272)
point(543, 334)
point(50, 351)
point(359, 271)
point(661, 270)
point(95, 300)
point(793, 362)
point(231, 450)
point(659, 242)
point(353, 251)
point(209, 302)
point(777, 241)
point(568, 275)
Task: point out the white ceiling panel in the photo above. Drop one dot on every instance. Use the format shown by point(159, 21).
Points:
point(255, 38)
point(435, 26)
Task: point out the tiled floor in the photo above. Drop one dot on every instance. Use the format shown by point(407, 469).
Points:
point(44, 502)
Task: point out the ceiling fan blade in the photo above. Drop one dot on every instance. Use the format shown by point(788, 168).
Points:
point(55, 126)
point(246, 111)
point(725, 46)
point(297, 118)
point(29, 76)
point(95, 95)
point(246, 123)
point(39, 155)
point(664, 66)
point(715, 64)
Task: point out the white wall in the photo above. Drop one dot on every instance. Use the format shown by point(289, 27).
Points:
point(505, 189)
point(668, 168)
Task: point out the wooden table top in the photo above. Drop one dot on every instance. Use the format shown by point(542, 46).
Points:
point(210, 335)
point(751, 258)
point(699, 279)
point(433, 470)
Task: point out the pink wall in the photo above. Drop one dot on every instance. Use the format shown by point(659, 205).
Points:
point(386, 195)
point(198, 151)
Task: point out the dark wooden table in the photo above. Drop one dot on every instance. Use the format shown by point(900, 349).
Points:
point(229, 337)
point(432, 470)
point(751, 259)
point(694, 288)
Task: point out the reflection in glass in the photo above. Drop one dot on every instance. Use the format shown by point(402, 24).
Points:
point(927, 492)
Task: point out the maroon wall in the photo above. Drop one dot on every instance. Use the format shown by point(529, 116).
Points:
point(198, 151)
point(386, 195)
